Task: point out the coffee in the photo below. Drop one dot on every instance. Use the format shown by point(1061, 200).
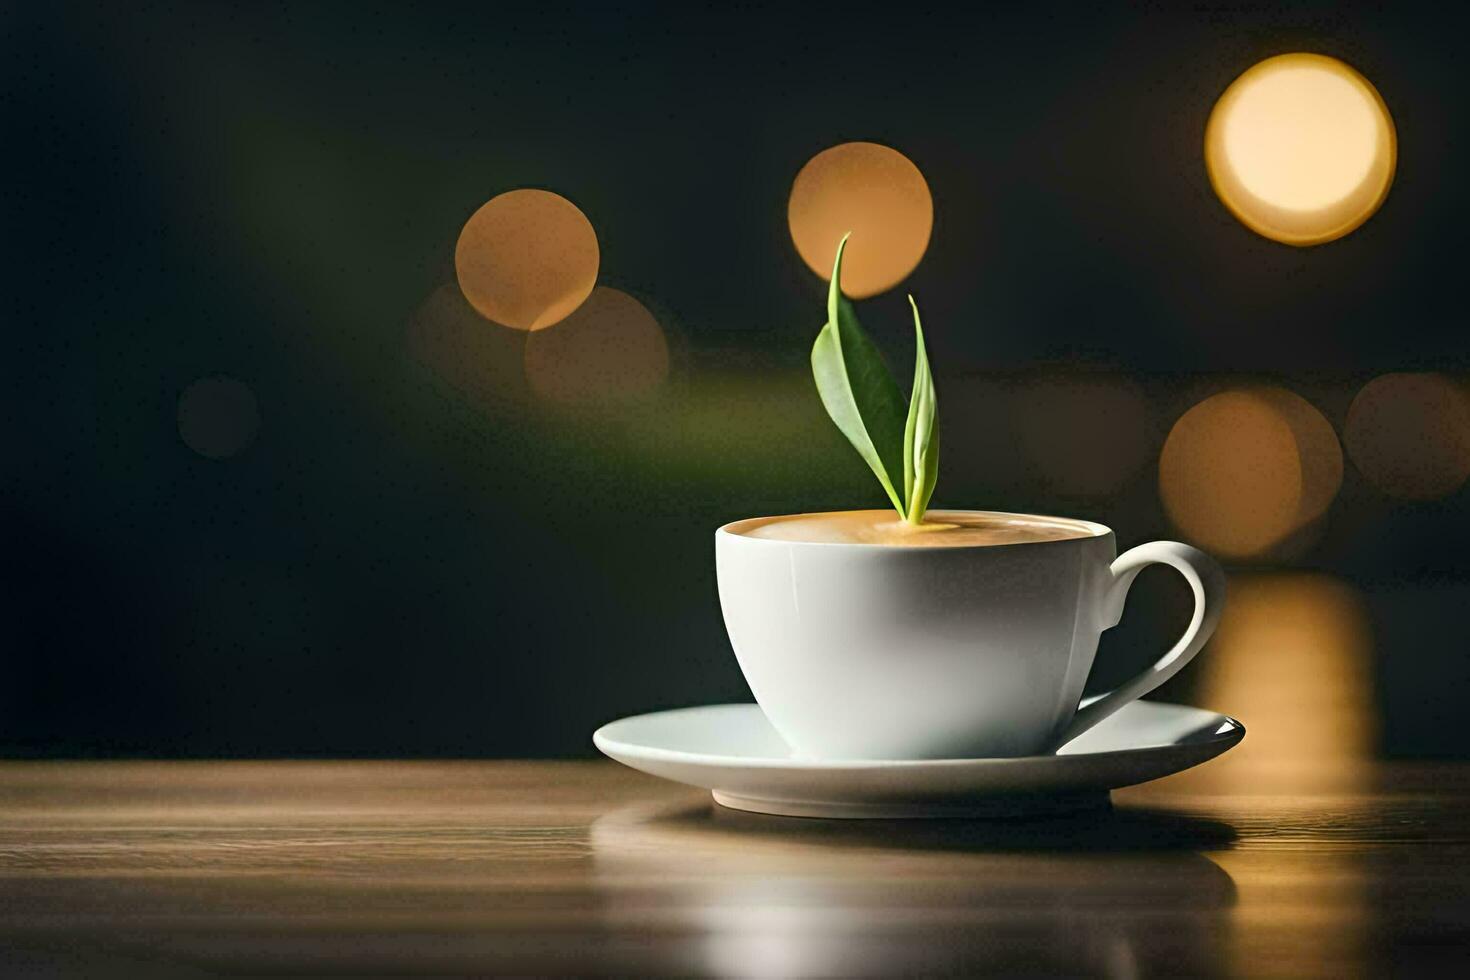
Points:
point(941, 529)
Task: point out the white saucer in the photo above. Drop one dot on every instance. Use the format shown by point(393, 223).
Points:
point(731, 750)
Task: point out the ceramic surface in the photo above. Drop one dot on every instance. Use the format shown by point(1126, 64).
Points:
point(895, 652)
point(732, 750)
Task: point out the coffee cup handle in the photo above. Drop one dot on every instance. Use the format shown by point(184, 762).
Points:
point(1206, 580)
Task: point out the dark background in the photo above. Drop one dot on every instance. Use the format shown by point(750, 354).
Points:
point(401, 565)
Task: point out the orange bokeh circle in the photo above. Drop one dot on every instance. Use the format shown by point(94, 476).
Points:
point(877, 194)
point(527, 259)
point(611, 350)
point(1246, 469)
point(1409, 434)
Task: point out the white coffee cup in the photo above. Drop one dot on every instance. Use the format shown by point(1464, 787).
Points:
point(877, 651)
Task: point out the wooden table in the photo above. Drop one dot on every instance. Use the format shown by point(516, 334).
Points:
point(588, 868)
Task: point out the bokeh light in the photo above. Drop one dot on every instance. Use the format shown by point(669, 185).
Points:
point(1245, 470)
point(1293, 658)
point(1318, 451)
point(1088, 435)
point(218, 417)
point(527, 259)
point(1409, 434)
point(479, 358)
point(876, 193)
point(611, 350)
point(1301, 148)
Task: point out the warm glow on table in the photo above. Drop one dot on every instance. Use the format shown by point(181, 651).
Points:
point(588, 869)
point(1301, 148)
point(1294, 654)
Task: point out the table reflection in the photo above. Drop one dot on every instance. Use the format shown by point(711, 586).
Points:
point(1120, 893)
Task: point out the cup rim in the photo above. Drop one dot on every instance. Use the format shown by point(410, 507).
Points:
point(1093, 530)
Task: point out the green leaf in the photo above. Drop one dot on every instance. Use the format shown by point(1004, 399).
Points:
point(920, 433)
point(856, 389)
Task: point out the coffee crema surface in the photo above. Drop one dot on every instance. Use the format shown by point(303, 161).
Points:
point(941, 529)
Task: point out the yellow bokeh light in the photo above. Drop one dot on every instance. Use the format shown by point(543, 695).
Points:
point(876, 193)
point(610, 350)
point(1319, 454)
point(527, 259)
point(1246, 470)
point(1293, 657)
point(1301, 148)
point(1409, 434)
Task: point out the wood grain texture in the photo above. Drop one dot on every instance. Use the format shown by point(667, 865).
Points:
point(178, 868)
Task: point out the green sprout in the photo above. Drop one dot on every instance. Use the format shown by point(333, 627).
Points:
point(899, 441)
